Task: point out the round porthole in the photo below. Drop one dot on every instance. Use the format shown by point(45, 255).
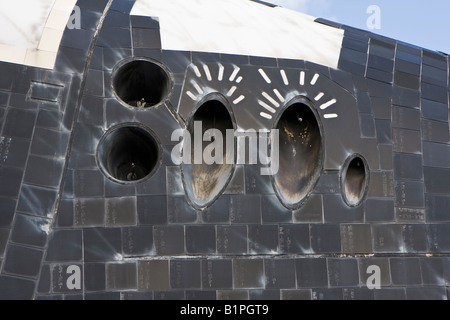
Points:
point(141, 83)
point(300, 153)
point(128, 154)
point(205, 179)
point(354, 180)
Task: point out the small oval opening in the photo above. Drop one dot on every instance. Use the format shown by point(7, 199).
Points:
point(300, 154)
point(141, 84)
point(207, 171)
point(128, 154)
point(354, 181)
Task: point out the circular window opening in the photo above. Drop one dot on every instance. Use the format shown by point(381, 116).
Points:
point(128, 154)
point(300, 154)
point(141, 84)
point(205, 180)
point(355, 180)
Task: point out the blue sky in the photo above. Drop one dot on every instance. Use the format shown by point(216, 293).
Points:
point(423, 23)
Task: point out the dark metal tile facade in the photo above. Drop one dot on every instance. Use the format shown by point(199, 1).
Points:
point(61, 214)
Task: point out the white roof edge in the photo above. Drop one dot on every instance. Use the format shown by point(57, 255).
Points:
point(43, 53)
point(242, 27)
point(239, 27)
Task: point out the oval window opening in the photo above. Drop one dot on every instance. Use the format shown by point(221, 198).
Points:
point(207, 172)
point(128, 154)
point(300, 152)
point(354, 181)
point(141, 84)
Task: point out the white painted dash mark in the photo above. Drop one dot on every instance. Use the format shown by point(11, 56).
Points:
point(234, 74)
point(197, 87)
point(302, 78)
point(266, 106)
point(265, 115)
point(319, 96)
point(231, 91)
point(221, 70)
point(207, 72)
point(272, 100)
point(330, 116)
point(238, 80)
point(285, 78)
point(314, 79)
point(191, 95)
point(328, 104)
point(197, 71)
point(278, 94)
point(242, 97)
point(265, 76)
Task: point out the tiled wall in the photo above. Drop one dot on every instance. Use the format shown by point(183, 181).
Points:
point(145, 241)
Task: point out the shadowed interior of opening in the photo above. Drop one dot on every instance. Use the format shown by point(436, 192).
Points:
point(355, 181)
point(300, 154)
point(141, 84)
point(129, 154)
point(205, 182)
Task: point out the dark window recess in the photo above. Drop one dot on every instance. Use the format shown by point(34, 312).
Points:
point(354, 181)
point(128, 154)
point(204, 182)
point(141, 84)
point(300, 155)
